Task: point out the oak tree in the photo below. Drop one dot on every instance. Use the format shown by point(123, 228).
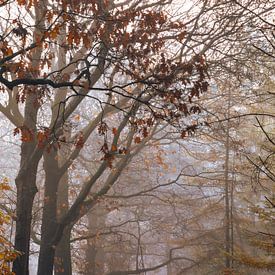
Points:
point(123, 56)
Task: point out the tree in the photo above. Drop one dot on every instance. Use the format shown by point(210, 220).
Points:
point(134, 70)
point(110, 53)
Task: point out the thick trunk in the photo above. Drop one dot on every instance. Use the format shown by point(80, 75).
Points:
point(26, 190)
point(46, 255)
point(26, 179)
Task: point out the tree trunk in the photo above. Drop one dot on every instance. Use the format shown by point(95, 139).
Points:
point(63, 251)
point(90, 259)
point(26, 186)
point(46, 255)
point(94, 254)
point(63, 265)
point(62, 262)
point(227, 189)
point(26, 190)
point(55, 204)
point(26, 178)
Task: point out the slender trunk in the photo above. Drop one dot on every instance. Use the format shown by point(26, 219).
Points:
point(62, 261)
point(227, 192)
point(227, 205)
point(232, 220)
point(62, 265)
point(95, 255)
point(46, 255)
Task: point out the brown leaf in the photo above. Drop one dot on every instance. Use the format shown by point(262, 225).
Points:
point(137, 140)
point(114, 130)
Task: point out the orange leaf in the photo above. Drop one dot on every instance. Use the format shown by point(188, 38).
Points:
point(9, 51)
point(114, 148)
point(21, 2)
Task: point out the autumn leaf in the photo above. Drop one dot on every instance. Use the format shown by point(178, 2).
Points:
point(79, 143)
point(42, 136)
point(21, 2)
point(181, 36)
point(114, 130)
point(54, 32)
point(86, 85)
point(122, 151)
point(102, 128)
point(137, 140)
point(183, 134)
point(16, 131)
point(77, 117)
point(9, 51)
point(114, 148)
point(70, 38)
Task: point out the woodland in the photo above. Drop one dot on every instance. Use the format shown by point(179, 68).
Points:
point(137, 137)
